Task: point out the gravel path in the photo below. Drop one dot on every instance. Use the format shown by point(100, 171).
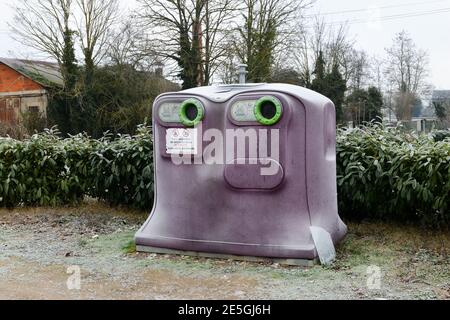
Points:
point(37, 246)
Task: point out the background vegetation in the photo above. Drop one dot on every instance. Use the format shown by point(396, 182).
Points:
point(114, 62)
point(47, 170)
point(388, 173)
point(383, 173)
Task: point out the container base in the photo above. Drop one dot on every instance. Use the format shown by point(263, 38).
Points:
point(286, 262)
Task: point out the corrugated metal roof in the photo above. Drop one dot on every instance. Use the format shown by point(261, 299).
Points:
point(43, 72)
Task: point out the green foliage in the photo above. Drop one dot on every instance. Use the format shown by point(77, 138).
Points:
point(365, 105)
point(261, 53)
point(441, 135)
point(69, 66)
point(318, 83)
point(124, 98)
point(59, 110)
point(336, 87)
point(441, 110)
point(118, 99)
point(121, 170)
point(383, 173)
point(34, 122)
point(331, 85)
point(46, 170)
point(391, 174)
point(286, 75)
point(42, 170)
point(188, 59)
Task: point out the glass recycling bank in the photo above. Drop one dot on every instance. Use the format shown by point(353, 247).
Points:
point(247, 172)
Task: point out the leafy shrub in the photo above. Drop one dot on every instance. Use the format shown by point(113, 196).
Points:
point(34, 122)
point(383, 172)
point(121, 170)
point(46, 170)
point(14, 131)
point(41, 170)
point(441, 135)
point(388, 173)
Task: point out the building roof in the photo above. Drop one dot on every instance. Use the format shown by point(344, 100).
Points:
point(43, 72)
point(441, 95)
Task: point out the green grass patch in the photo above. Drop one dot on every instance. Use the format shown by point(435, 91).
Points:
point(129, 247)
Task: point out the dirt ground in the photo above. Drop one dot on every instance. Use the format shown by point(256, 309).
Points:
point(39, 248)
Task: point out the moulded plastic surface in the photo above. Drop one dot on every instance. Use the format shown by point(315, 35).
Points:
point(229, 208)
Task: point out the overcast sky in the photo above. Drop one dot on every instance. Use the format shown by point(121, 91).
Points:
point(372, 23)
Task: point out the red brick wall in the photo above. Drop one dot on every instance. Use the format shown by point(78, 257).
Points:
point(13, 81)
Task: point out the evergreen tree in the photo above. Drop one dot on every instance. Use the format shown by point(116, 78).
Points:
point(335, 90)
point(318, 84)
point(63, 104)
point(365, 105)
point(187, 59)
point(260, 58)
point(375, 103)
point(331, 85)
point(440, 110)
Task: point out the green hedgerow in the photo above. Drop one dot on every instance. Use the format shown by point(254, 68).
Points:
point(388, 173)
point(383, 173)
point(46, 170)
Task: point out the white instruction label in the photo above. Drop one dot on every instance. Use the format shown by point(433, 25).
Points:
point(181, 141)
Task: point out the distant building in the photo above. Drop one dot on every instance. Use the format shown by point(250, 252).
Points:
point(442, 96)
point(24, 87)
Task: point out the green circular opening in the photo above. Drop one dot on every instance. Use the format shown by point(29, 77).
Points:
point(191, 112)
point(268, 111)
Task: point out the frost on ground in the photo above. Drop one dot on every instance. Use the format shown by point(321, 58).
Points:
point(37, 246)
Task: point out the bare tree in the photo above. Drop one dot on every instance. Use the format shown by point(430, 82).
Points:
point(190, 33)
point(95, 26)
point(123, 46)
point(332, 42)
point(227, 72)
point(407, 66)
point(264, 32)
point(43, 25)
point(376, 75)
point(217, 21)
point(356, 68)
point(407, 71)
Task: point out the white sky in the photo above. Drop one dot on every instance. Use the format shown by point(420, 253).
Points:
point(372, 23)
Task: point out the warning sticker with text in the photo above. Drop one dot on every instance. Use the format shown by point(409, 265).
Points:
point(181, 141)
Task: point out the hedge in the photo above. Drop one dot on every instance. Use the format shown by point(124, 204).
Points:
point(46, 170)
point(391, 174)
point(42, 170)
point(382, 172)
point(121, 170)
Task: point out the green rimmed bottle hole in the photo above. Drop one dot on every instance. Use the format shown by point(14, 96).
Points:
point(268, 111)
point(192, 112)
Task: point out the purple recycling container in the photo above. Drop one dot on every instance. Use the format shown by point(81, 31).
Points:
point(243, 170)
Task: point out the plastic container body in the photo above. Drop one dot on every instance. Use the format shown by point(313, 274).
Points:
point(229, 206)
